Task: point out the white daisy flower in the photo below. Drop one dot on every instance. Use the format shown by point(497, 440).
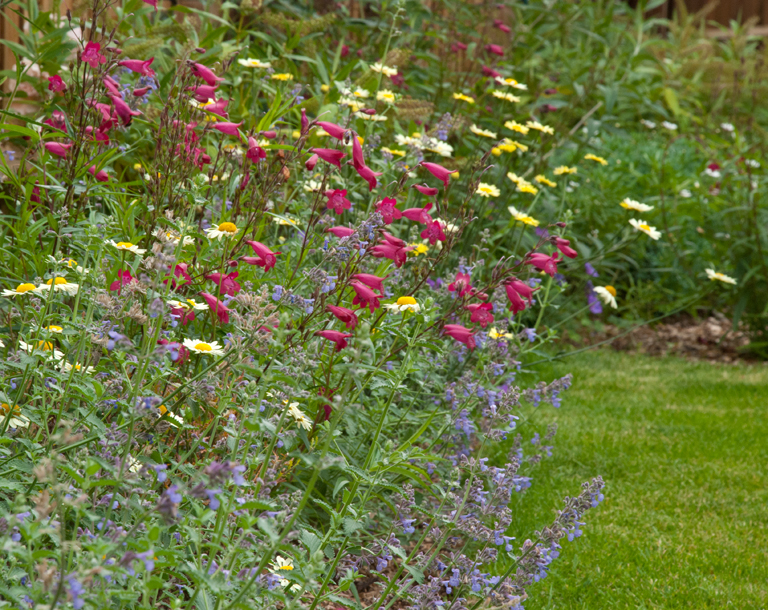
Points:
point(173, 419)
point(254, 63)
point(187, 304)
point(60, 284)
point(20, 289)
point(539, 127)
point(385, 70)
point(668, 125)
point(495, 334)
point(607, 295)
point(483, 132)
point(720, 277)
point(404, 304)
point(43, 347)
point(752, 163)
point(645, 228)
point(648, 124)
point(487, 190)
point(16, 420)
point(505, 96)
point(727, 127)
point(376, 118)
point(71, 263)
point(201, 347)
point(312, 186)
point(126, 246)
point(302, 421)
point(631, 204)
point(385, 95)
point(438, 147)
point(225, 229)
point(685, 193)
point(67, 367)
point(510, 82)
point(188, 240)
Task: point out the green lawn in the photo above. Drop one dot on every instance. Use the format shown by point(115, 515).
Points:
point(683, 448)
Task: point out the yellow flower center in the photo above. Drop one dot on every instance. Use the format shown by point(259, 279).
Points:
point(55, 329)
point(5, 408)
point(162, 409)
point(71, 262)
point(191, 302)
point(406, 301)
point(288, 567)
point(56, 281)
point(45, 345)
point(228, 227)
point(22, 288)
point(203, 347)
point(124, 244)
point(611, 290)
point(645, 227)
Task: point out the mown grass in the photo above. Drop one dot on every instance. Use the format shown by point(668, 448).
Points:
point(683, 448)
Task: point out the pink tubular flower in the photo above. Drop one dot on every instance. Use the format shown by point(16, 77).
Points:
point(270, 135)
point(58, 120)
point(179, 353)
point(337, 200)
point(229, 129)
point(393, 241)
point(57, 148)
point(386, 207)
point(420, 215)
point(372, 281)
point(495, 49)
point(185, 316)
point(433, 232)
point(123, 110)
point(203, 93)
point(547, 264)
point(101, 175)
point(482, 313)
point(329, 155)
point(311, 162)
point(180, 272)
point(206, 74)
point(123, 278)
point(35, 196)
point(56, 85)
point(358, 159)
point(140, 91)
point(304, 121)
point(458, 46)
point(138, 66)
point(367, 174)
point(564, 246)
point(461, 334)
point(340, 231)
point(426, 190)
point(227, 283)
point(516, 292)
point(112, 85)
point(344, 315)
point(365, 296)
point(255, 152)
point(338, 337)
point(268, 259)
point(217, 307)
point(218, 108)
point(490, 72)
point(438, 171)
point(92, 56)
point(153, 4)
point(333, 130)
point(395, 254)
point(461, 284)
point(498, 23)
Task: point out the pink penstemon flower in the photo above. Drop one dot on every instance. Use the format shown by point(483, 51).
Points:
point(337, 200)
point(338, 337)
point(344, 315)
